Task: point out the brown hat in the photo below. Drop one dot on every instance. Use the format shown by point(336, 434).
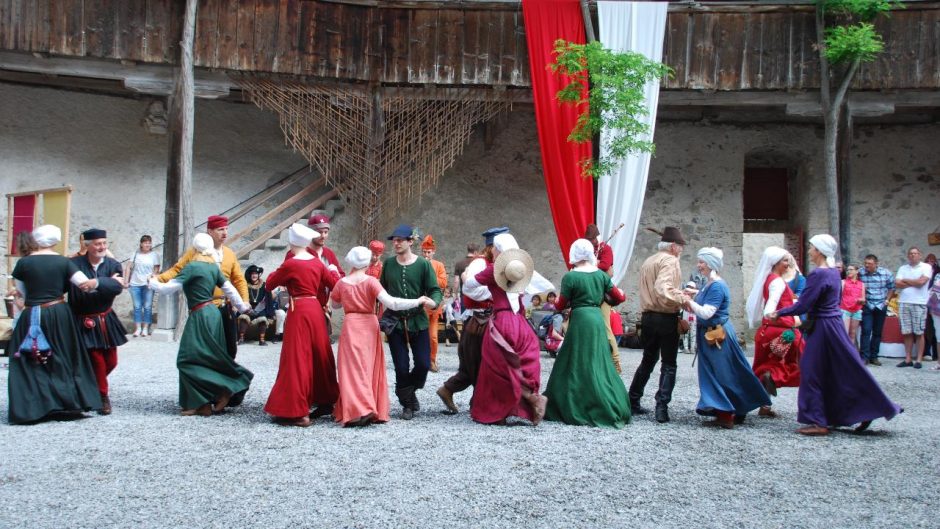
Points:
point(591, 232)
point(669, 234)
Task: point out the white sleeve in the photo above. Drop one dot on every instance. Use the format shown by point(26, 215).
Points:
point(78, 278)
point(20, 287)
point(774, 291)
point(397, 303)
point(234, 297)
point(169, 287)
point(471, 287)
point(703, 311)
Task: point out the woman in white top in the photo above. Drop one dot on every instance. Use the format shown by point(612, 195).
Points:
point(140, 268)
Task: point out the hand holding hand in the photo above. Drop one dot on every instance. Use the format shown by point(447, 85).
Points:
point(89, 285)
point(773, 315)
point(332, 268)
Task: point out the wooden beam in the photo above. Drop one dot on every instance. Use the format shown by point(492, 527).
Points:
point(260, 239)
point(271, 213)
point(267, 194)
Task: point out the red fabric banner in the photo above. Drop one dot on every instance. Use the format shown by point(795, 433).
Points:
point(24, 217)
point(570, 195)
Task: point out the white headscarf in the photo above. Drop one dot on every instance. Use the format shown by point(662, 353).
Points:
point(581, 250)
point(827, 246)
point(713, 257)
point(300, 235)
point(755, 300)
point(47, 236)
point(358, 257)
point(203, 243)
point(505, 241)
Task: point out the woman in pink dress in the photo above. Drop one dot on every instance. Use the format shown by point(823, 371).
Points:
point(509, 377)
point(360, 359)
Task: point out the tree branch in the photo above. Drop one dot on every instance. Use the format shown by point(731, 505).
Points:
point(846, 81)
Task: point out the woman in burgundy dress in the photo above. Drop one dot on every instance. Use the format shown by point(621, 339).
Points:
point(306, 375)
point(775, 369)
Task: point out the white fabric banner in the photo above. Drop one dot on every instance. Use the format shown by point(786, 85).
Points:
point(638, 27)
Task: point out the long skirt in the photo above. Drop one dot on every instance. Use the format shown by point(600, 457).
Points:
point(509, 362)
point(360, 362)
point(836, 389)
point(584, 387)
point(206, 369)
point(785, 371)
point(306, 375)
point(65, 383)
point(726, 382)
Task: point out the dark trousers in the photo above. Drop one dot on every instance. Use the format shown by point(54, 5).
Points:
point(469, 352)
point(660, 339)
point(420, 343)
point(873, 321)
point(230, 328)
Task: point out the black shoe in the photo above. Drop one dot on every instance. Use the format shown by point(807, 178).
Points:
point(862, 427)
point(407, 414)
point(662, 413)
point(739, 419)
point(262, 343)
point(902, 363)
point(917, 365)
point(874, 362)
point(636, 409)
point(320, 411)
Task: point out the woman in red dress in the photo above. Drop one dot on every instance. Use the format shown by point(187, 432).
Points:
point(770, 293)
point(306, 375)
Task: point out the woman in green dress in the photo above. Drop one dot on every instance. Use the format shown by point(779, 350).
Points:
point(210, 379)
point(584, 387)
point(55, 376)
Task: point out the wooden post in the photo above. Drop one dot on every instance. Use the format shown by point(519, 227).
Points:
point(845, 135)
point(588, 23)
point(179, 206)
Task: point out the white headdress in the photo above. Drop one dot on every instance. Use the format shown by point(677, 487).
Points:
point(755, 300)
point(358, 257)
point(47, 235)
point(827, 246)
point(505, 241)
point(581, 250)
point(300, 235)
point(203, 243)
point(713, 257)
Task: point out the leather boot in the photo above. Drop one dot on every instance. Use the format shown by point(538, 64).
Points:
point(667, 381)
point(106, 406)
point(640, 378)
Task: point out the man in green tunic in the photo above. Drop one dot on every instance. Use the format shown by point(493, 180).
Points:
point(409, 276)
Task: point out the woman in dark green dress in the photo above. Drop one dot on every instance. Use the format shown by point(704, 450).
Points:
point(59, 378)
point(584, 387)
point(210, 379)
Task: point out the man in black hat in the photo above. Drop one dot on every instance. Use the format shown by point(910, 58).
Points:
point(661, 300)
point(262, 306)
point(100, 328)
point(409, 276)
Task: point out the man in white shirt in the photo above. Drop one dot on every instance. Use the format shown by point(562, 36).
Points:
point(911, 282)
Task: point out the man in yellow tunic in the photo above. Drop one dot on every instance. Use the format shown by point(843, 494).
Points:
point(428, 249)
point(217, 228)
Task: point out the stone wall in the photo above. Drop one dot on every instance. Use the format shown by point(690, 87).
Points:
point(97, 144)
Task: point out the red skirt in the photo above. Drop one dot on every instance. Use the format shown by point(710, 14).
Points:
point(785, 371)
point(306, 375)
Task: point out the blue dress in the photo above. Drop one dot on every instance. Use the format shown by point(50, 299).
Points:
point(726, 381)
point(836, 389)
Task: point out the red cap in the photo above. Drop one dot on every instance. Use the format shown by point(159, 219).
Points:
point(377, 246)
point(319, 221)
point(428, 243)
point(217, 221)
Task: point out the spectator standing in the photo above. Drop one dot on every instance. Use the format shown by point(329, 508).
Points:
point(879, 286)
point(144, 264)
point(853, 299)
point(930, 331)
point(912, 283)
point(933, 306)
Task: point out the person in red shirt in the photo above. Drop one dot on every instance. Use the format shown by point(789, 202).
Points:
point(321, 224)
point(375, 263)
point(853, 299)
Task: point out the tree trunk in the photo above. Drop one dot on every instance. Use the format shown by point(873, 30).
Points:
point(181, 141)
point(845, 182)
point(832, 172)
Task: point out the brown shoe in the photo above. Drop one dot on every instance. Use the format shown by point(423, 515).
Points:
point(813, 430)
point(768, 382)
point(434, 366)
point(538, 409)
point(767, 411)
point(221, 402)
point(105, 406)
point(203, 411)
point(722, 420)
point(447, 396)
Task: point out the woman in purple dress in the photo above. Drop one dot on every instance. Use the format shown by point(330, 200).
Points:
point(835, 387)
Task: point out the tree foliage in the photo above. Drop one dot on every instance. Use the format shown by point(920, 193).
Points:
point(614, 103)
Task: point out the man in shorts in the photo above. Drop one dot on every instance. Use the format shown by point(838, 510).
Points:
point(911, 282)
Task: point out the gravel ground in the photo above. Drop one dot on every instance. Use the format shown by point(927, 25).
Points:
point(146, 466)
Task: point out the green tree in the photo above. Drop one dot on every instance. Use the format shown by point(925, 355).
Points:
point(613, 104)
point(845, 38)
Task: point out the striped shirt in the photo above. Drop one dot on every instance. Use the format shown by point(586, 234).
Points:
point(877, 286)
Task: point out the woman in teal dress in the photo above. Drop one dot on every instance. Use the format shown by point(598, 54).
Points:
point(210, 379)
point(728, 387)
point(584, 387)
point(56, 376)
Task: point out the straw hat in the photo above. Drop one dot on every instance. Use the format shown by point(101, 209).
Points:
point(513, 270)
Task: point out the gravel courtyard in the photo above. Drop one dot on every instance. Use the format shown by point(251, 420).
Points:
point(146, 466)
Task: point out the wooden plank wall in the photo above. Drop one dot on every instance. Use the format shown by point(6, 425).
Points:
point(454, 43)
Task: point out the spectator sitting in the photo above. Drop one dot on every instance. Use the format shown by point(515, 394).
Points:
point(281, 306)
point(262, 306)
point(550, 301)
point(556, 332)
point(535, 303)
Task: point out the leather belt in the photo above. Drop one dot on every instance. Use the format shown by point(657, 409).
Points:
point(90, 322)
point(200, 305)
point(51, 303)
point(293, 298)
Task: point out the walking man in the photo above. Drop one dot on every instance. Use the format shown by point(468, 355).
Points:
point(217, 228)
point(100, 328)
point(912, 282)
point(409, 276)
point(879, 286)
point(660, 300)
